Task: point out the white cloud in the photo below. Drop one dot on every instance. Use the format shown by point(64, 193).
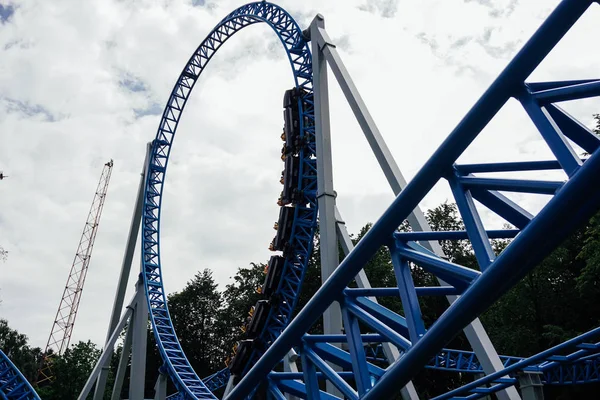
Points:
point(81, 83)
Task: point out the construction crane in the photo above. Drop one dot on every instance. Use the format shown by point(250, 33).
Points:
point(62, 328)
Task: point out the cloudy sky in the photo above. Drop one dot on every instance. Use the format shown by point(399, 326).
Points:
point(84, 82)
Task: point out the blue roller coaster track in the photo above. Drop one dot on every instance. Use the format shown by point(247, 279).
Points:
point(13, 385)
point(305, 211)
point(572, 202)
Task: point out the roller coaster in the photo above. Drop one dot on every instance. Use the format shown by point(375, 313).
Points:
point(345, 361)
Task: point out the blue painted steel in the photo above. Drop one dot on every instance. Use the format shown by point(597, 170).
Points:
point(217, 380)
point(452, 235)
point(13, 384)
point(511, 185)
point(504, 207)
point(556, 140)
point(330, 374)
point(421, 291)
point(408, 296)
point(569, 207)
point(539, 86)
point(508, 166)
point(177, 365)
point(456, 275)
point(472, 221)
point(566, 93)
point(537, 361)
point(573, 129)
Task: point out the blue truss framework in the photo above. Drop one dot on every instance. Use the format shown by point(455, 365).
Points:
point(13, 385)
point(572, 202)
point(305, 214)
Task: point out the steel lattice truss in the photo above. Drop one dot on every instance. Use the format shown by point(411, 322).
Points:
point(13, 385)
point(62, 328)
point(305, 214)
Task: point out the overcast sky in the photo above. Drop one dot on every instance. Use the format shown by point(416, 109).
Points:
point(84, 82)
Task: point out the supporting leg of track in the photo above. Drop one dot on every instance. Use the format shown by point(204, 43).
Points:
point(122, 368)
point(475, 333)
point(160, 388)
point(134, 229)
point(531, 385)
point(332, 318)
point(289, 365)
point(108, 349)
point(139, 336)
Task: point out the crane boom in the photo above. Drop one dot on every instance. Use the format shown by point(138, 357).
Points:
point(62, 328)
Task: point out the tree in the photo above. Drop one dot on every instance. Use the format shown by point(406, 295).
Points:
point(238, 297)
point(3, 254)
point(71, 371)
point(194, 312)
point(14, 345)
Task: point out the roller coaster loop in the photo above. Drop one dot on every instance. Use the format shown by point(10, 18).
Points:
point(301, 240)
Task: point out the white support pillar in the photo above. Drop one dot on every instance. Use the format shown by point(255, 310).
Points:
point(123, 362)
point(137, 378)
point(332, 318)
point(134, 229)
point(289, 365)
point(160, 388)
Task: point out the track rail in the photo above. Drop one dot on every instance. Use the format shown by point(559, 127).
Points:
point(288, 31)
point(13, 384)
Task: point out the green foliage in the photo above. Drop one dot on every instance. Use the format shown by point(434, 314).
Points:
point(194, 312)
point(14, 345)
point(71, 371)
point(588, 283)
point(238, 298)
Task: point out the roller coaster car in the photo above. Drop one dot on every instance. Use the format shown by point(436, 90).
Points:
point(261, 312)
point(275, 269)
point(284, 227)
point(290, 180)
point(241, 357)
point(291, 116)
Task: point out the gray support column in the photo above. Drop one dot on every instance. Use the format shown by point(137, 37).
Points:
point(160, 389)
point(390, 351)
point(139, 337)
point(123, 362)
point(289, 365)
point(531, 385)
point(332, 318)
point(108, 350)
point(134, 229)
point(475, 333)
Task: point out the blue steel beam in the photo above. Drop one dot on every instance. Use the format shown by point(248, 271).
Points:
point(569, 208)
point(573, 129)
point(511, 185)
point(520, 365)
point(13, 385)
point(566, 93)
point(508, 166)
point(453, 235)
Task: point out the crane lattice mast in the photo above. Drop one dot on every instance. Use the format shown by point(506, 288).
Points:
point(62, 327)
